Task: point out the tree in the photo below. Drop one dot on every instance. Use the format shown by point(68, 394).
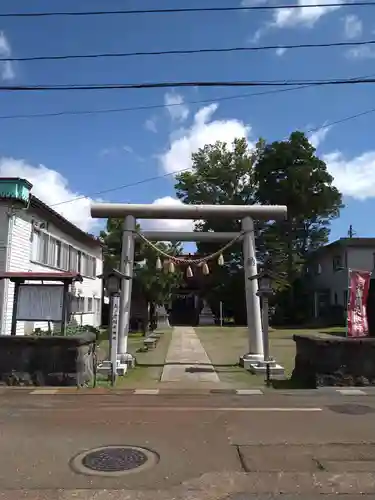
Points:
point(111, 238)
point(221, 175)
point(281, 173)
point(155, 285)
point(289, 173)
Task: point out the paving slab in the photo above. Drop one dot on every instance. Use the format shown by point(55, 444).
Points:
point(187, 360)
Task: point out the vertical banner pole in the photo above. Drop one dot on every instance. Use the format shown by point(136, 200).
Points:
point(114, 330)
point(348, 305)
point(357, 323)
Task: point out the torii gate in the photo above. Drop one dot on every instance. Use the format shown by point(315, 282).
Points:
point(247, 213)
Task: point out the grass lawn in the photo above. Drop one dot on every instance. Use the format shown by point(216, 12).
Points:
point(225, 345)
point(150, 364)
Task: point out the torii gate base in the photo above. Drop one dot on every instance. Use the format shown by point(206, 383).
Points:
point(254, 360)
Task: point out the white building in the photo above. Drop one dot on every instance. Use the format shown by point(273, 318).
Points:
point(328, 270)
point(35, 238)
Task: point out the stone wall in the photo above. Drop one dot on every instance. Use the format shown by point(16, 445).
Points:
point(52, 361)
point(328, 360)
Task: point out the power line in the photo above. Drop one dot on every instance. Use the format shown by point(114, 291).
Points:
point(152, 106)
point(187, 51)
point(183, 10)
point(154, 85)
point(159, 106)
point(169, 174)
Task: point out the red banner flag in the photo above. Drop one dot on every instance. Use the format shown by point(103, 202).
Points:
point(359, 284)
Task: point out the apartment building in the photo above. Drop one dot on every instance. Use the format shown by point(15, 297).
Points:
point(328, 270)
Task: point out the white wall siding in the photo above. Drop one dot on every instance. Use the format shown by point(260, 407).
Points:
point(4, 257)
point(20, 260)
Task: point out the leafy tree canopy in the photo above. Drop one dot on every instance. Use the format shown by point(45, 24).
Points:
point(283, 173)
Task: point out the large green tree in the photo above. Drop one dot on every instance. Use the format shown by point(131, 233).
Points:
point(284, 173)
point(221, 175)
point(289, 173)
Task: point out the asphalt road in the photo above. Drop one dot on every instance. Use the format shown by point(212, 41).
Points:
point(204, 447)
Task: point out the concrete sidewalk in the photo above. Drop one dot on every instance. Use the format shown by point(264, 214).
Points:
point(207, 447)
point(186, 360)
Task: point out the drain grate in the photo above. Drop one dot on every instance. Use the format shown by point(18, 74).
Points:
point(352, 409)
point(114, 460)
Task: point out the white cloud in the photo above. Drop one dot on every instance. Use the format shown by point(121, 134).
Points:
point(353, 26)
point(150, 124)
point(203, 131)
point(317, 137)
point(307, 16)
point(51, 187)
point(280, 51)
point(128, 149)
point(361, 52)
point(6, 67)
point(354, 177)
point(176, 107)
point(167, 224)
point(302, 16)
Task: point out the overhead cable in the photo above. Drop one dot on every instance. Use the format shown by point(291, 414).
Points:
point(180, 84)
point(219, 50)
point(182, 10)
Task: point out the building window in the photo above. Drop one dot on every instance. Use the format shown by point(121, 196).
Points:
point(337, 263)
point(97, 305)
point(79, 262)
point(64, 256)
point(81, 304)
point(318, 269)
point(73, 260)
point(52, 252)
point(89, 304)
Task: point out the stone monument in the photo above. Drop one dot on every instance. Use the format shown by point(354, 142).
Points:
point(162, 317)
point(206, 317)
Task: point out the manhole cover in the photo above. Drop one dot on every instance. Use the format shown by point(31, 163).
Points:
point(351, 409)
point(114, 461)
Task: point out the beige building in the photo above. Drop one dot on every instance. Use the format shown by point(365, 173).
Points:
point(328, 271)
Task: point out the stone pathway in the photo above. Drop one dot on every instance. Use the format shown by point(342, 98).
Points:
point(187, 360)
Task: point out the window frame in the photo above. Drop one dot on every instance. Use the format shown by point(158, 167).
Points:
point(69, 257)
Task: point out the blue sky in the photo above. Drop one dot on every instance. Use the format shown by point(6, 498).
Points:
point(68, 156)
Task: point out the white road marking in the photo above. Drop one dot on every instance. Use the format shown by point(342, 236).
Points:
point(249, 392)
point(187, 409)
point(141, 392)
point(351, 392)
point(44, 391)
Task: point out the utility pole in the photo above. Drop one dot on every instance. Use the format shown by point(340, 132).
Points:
point(351, 232)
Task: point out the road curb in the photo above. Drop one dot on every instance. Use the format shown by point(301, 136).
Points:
point(49, 391)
